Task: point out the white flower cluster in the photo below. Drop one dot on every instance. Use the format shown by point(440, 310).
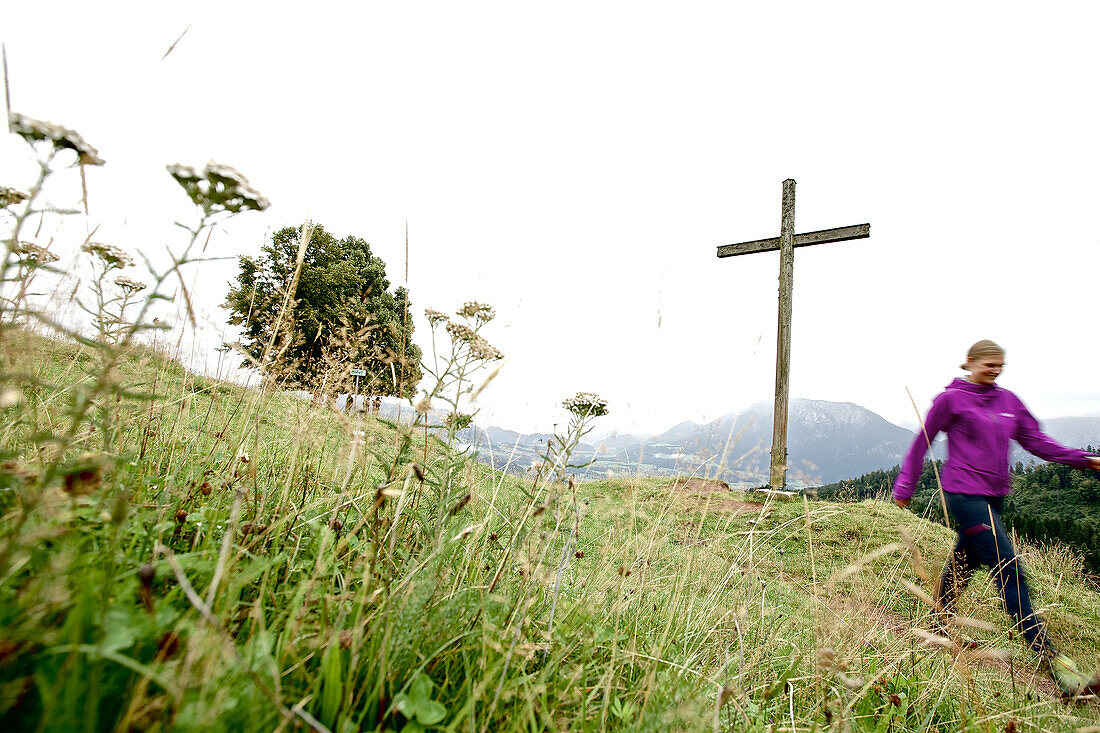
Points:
point(477, 311)
point(60, 137)
point(111, 255)
point(482, 349)
point(129, 285)
point(461, 332)
point(479, 347)
point(31, 255)
point(586, 404)
point(435, 316)
point(11, 197)
point(218, 187)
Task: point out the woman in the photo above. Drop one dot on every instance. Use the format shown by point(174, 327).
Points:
point(980, 419)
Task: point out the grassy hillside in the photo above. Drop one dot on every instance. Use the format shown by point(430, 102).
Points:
point(178, 553)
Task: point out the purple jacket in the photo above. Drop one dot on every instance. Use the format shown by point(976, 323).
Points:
point(979, 421)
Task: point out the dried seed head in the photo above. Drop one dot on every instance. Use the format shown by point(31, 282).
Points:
point(435, 316)
point(11, 197)
point(218, 188)
point(205, 488)
point(477, 311)
point(112, 256)
point(31, 255)
point(181, 516)
point(146, 574)
point(460, 332)
point(482, 349)
point(336, 525)
point(60, 137)
point(129, 285)
point(458, 506)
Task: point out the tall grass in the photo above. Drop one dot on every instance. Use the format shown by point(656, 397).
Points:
point(182, 553)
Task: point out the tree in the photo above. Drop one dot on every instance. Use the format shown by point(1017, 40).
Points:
point(341, 316)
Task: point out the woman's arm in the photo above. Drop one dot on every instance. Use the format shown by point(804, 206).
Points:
point(938, 418)
point(1035, 441)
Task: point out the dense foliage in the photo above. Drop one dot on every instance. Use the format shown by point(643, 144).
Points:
point(1049, 502)
point(343, 315)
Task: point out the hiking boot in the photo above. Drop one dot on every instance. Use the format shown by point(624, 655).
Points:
point(1072, 681)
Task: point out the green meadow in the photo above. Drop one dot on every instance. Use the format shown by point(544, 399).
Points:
point(180, 553)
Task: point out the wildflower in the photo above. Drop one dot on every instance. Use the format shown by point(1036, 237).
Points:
point(477, 311)
point(31, 255)
point(435, 316)
point(11, 197)
point(83, 477)
point(129, 285)
point(459, 505)
point(461, 332)
point(218, 188)
point(60, 137)
point(243, 458)
point(111, 255)
point(481, 349)
point(10, 397)
point(586, 404)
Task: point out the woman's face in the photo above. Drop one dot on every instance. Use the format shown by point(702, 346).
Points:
point(985, 369)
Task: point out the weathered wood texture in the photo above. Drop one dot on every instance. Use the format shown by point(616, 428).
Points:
point(824, 236)
point(783, 341)
point(786, 243)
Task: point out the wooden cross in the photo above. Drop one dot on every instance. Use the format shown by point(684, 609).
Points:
point(785, 243)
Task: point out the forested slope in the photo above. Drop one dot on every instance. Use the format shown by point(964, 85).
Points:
point(1049, 502)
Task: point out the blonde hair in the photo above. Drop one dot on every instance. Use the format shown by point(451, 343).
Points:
point(985, 347)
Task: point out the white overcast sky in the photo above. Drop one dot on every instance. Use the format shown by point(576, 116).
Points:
point(575, 164)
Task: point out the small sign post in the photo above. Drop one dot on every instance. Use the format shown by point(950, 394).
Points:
point(357, 373)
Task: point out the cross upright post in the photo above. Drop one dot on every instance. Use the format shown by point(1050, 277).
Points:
point(785, 243)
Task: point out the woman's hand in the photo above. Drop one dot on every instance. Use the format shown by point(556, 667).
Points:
point(904, 503)
point(1094, 463)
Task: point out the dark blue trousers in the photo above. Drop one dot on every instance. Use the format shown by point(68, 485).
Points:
point(983, 542)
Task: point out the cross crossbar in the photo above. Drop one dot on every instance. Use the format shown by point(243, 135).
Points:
point(824, 236)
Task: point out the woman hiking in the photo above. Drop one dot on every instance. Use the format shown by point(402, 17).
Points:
point(980, 419)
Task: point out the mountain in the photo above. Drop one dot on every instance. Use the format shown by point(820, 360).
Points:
point(826, 442)
point(1076, 432)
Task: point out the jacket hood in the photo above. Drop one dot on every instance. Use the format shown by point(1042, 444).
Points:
point(965, 385)
point(981, 394)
